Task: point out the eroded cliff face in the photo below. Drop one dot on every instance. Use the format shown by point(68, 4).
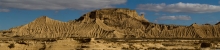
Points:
point(112, 23)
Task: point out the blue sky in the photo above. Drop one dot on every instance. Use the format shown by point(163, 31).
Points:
point(181, 12)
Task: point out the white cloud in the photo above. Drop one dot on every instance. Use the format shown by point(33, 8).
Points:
point(4, 10)
point(59, 4)
point(158, 14)
point(180, 7)
point(180, 17)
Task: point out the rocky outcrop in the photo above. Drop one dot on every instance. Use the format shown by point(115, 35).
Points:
point(112, 23)
point(217, 23)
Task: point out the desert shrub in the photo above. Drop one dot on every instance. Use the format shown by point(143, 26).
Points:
point(51, 40)
point(11, 46)
point(84, 46)
point(205, 45)
point(22, 42)
point(84, 40)
point(151, 48)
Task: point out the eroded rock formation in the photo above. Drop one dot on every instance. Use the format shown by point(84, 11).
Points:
point(112, 23)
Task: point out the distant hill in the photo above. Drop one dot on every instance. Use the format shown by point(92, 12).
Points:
point(111, 23)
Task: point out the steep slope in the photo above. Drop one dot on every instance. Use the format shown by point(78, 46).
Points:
point(42, 26)
point(112, 23)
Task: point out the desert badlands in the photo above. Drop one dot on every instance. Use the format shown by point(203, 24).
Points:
point(109, 29)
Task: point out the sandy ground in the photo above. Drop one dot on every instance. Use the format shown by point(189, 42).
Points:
point(72, 44)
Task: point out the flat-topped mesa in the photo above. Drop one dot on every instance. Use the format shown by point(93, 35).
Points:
point(112, 13)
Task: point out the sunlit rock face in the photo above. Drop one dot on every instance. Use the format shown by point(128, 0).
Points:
point(112, 23)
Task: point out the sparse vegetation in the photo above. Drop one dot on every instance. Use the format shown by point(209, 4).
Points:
point(11, 46)
point(51, 40)
point(22, 42)
point(205, 45)
point(84, 46)
point(85, 40)
point(154, 48)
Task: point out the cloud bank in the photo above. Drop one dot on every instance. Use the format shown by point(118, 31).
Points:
point(180, 17)
point(59, 4)
point(180, 7)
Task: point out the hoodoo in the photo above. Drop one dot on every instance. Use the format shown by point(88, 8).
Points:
point(112, 23)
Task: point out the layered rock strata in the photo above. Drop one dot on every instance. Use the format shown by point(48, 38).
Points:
point(112, 23)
